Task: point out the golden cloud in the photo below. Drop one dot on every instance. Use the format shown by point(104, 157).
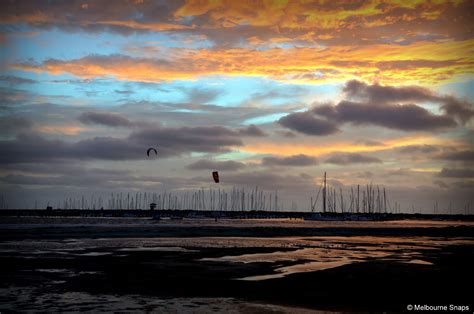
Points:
point(309, 14)
point(290, 149)
point(422, 63)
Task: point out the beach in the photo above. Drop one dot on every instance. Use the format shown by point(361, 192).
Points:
point(131, 264)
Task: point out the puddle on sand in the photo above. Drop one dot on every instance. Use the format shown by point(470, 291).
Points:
point(157, 249)
point(331, 252)
point(94, 254)
point(418, 262)
point(299, 268)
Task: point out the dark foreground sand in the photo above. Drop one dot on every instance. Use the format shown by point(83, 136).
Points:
point(232, 266)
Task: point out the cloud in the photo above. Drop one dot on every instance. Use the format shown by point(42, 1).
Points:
point(14, 124)
point(329, 23)
point(169, 142)
point(15, 80)
point(306, 123)
point(124, 92)
point(271, 181)
point(461, 110)
point(399, 172)
point(441, 184)
point(229, 22)
point(125, 18)
point(386, 94)
point(174, 141)
point(104, 118)
point(351, 158)
point(252, 130)
point(279, 64)
point(64, 167)
point(292, 161)
point(384, 106)
point(288, 134)
point(463, 155)
point(202, 96)
point(377, 94)
point(400, 117)
point(205, 164)
point(467, 185)
point(425, 149)
point(290, 92)
point(370, 143)
point(290, 148)
point(456, 173)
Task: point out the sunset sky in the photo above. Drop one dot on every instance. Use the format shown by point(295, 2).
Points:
point(270, 93)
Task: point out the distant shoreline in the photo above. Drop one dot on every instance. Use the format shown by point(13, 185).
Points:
point(253, 214)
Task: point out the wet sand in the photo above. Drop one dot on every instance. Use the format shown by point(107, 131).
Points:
point(59, 264)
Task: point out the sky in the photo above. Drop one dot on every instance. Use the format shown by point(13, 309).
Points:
point(269, 93)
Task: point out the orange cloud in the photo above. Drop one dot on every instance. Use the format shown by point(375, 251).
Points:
point(421, 63)
point(291, 149)
point(61, 129)
point(156, 27)
point(341, 21)
point(309, 14)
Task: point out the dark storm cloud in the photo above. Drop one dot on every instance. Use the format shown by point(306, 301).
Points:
point(168, 141)
point(350, 158)
point(252, 130)
point(307, 123)
point(400, 117)
point(104, 118)
point(456, 173)
point(204, 164)
point(293, 161)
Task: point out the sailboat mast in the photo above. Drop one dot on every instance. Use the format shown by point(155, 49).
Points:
point(324, 194)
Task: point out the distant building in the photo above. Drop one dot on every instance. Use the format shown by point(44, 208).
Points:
point(152, 206)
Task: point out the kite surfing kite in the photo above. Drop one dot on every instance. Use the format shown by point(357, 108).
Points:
point(151, 149)
point(215, 175)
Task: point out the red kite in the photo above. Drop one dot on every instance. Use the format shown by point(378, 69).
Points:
point(215, 175)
